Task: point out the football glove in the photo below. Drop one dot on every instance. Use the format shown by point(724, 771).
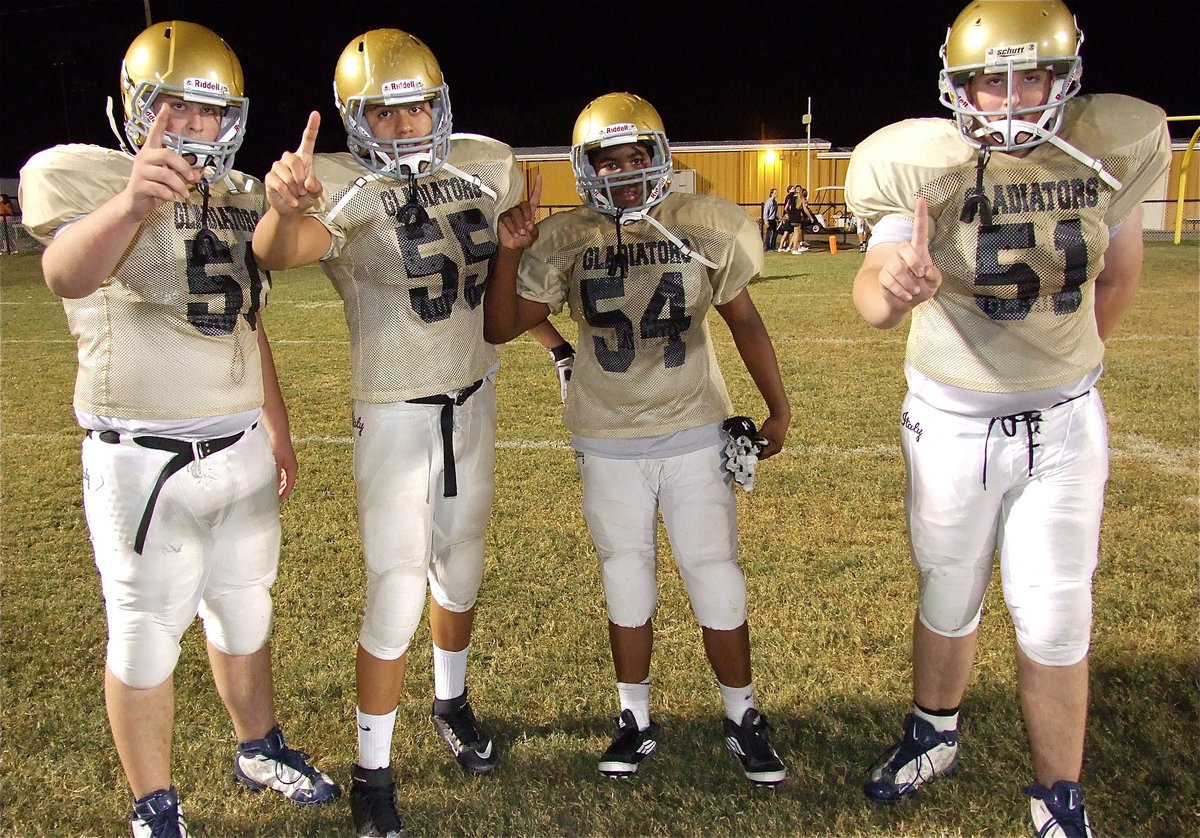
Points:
point(742, 445)
point(563, 357)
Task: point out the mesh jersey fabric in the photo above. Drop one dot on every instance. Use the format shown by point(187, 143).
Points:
point(645, 363)
point(170, 335)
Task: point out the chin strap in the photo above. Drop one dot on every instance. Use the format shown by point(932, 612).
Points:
point(112, 123)
point(1091, 162)
point(471, 179)
point(626, 217)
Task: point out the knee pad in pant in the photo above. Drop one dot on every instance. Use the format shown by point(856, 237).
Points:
point(717, 590)
point(238, 622)
point(395, 603)
point(142, 651)
point(1055, 630)
point(630, 588)
point(951, 597)
point(456, 574)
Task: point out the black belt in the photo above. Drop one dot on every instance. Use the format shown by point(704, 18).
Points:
point(185, 452)
point(448, 404)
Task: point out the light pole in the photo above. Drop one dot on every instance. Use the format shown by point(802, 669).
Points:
point(807, 144)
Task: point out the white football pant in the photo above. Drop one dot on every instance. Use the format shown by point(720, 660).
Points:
point(621, 499)
point(1045, 522)
point(410, 532)
point(212, 548)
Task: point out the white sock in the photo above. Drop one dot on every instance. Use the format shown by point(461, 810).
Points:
point(375, 739)
point(737, 701)
point(636, 698)
point(940, 723)
point(449, 673)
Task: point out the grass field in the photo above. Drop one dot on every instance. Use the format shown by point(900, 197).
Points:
point(831, 602)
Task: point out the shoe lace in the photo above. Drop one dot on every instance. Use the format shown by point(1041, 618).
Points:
point(914, 747)
point(1070, 820)
point(291, 758)
point(626, 737)
point(164, 824)
point(381, 804)
point(462, 724)
point(757, 739)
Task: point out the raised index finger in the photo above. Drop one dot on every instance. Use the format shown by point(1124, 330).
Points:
point(920, 233)
point(308, 140)
point(536, 196)
point(158, 128)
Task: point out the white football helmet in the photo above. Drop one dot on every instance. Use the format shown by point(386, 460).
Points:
point(390, 67)
point(192, 62)
point(1011, 36)
point(617, 119)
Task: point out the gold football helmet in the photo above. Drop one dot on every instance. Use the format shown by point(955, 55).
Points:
point(192, 62)
point(617, 119)
point(1010, 36)
point(390, 67)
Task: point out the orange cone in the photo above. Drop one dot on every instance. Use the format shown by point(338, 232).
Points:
point(833, 244)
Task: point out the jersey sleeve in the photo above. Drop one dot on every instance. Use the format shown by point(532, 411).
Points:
point(64, 183)
point(888, 169)
point(1140, 149)
point(545, 271)
point(516, 187)
point(744, 262)
point(338, 174)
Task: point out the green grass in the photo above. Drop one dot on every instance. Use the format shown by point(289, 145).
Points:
point(823, 546)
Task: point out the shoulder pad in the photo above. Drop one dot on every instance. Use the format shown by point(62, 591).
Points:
point(468, 147)
point(337, 169)
point(1104, 123)
point(888, 167)
point(61, 184)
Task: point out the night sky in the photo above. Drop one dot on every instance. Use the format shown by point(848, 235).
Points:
point(521, 70)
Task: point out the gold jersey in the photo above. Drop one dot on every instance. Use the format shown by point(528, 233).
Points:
point(170, 335)
point(413, 293)
point(645, 364)
point(1016, 309)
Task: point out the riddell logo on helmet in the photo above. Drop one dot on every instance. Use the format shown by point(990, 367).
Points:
point(401, 86)
point(205, 86)
point(619, 129)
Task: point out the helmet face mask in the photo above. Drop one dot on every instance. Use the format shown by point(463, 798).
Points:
point(620, 119)
point(390, 67)
point(192, 63)
point(1011, 37)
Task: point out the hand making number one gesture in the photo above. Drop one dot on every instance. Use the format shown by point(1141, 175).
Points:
point(910, 277)
point(159, 173)
point(517, 227)
point(291, 186)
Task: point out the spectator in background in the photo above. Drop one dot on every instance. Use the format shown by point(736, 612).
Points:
point(800, 214)
point(6, 220)
point(785, 226)
point(770, 220)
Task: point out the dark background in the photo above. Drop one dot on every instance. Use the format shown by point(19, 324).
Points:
point(521, 70)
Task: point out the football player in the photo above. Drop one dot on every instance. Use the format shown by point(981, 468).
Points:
point(404, 226)
point(640, 266)
point(1012, 235)
point(187, 451)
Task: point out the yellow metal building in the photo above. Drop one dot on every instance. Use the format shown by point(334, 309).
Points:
point(744, 172)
